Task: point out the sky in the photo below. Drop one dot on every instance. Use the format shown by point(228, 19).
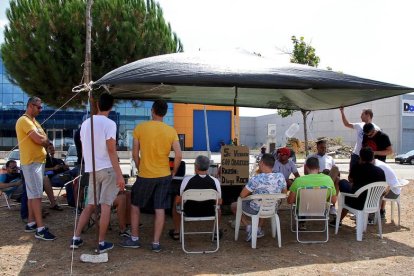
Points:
point(369, 38)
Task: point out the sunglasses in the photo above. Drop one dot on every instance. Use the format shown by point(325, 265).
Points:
point(38, 106)
point(13, 168)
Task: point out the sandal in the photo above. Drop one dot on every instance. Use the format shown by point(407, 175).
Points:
point(173, 235)
point(56, 208)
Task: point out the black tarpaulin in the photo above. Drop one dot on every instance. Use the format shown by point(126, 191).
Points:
point(217, 78)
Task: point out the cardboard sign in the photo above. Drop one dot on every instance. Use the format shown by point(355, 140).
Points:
point(234, 165)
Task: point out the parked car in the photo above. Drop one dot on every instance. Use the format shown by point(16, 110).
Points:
point(71, 157)
point(13, 155)
point(405, 158)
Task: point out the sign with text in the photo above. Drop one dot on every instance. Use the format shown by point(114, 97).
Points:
point(407, 108)
point(234, 165)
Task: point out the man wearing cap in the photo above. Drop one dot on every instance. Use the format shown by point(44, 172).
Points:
point(378, 141)
point(285, 166)
point(366, 117)
point(326, 162)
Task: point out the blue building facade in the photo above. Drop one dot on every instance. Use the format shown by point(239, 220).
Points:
point(60, 125)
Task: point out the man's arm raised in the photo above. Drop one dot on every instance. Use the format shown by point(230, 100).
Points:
point(344, 119)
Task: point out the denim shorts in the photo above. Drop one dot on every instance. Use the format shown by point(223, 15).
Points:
point(246, 208)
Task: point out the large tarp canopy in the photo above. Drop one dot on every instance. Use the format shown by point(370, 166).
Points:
point(241, 79)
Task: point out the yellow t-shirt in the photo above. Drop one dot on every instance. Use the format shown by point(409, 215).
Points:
point(155, 141)
point(30, 152)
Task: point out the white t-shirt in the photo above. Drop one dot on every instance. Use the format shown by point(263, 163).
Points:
point(104, 129)
point(285, 169)
point(360, 135)
point(325, 162)
point(390, 176)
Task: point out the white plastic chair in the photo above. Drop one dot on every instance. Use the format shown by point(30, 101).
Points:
point(312, 204)
point(403, 182)
point(268, 209)
point(200, 195)
point(372, 205)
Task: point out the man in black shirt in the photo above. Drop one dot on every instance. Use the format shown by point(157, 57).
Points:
point(378, 141)
point(361, 174)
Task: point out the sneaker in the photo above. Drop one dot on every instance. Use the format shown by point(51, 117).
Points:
point(382, 214)
point(156, 247)
point(302, 226)
point(45, 235)
point(30, 229)
point(74, 244)
point(371, 219)
point(249, 236)
point(56, 208)
point(332, 210)
point(126, 233)
point(221, 233)
point(260, 233)
point(105, 247)
point(129, 243)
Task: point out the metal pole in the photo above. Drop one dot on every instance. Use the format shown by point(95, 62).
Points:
point(207, 137)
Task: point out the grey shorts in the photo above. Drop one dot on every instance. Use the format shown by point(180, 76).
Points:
point(106, 188)
point(33, 176)
point(152, 192)
point(246, 208)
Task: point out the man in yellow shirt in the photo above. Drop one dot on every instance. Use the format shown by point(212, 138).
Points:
point(32, 142)
point(153, 141)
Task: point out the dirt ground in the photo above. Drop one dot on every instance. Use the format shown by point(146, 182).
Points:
point(21, 253)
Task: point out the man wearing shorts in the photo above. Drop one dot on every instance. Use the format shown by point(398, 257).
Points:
point(265, 182)
point(32, 142)
point(109, 179)
point(153, 141)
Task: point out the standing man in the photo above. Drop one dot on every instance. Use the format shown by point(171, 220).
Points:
point(366, 117)
point(153, 141)
point(378, 141)
point(32, 142)
point(109, 179)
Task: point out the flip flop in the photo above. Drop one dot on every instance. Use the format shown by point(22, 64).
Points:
point(56, 208)
point(173, 235)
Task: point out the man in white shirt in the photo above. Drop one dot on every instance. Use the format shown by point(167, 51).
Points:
point(285, 166)
point(326, 162)
point(366, 117)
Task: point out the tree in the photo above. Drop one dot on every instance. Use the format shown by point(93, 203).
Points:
point(303, 53)
point(44, 43)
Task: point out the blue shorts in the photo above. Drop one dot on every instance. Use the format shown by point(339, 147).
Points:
point(246, 208)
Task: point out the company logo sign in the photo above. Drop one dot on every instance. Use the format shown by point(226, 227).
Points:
point(407, 108)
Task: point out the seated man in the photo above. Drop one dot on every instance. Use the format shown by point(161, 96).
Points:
point(326, 162)
point(266, 182)
point(122, 203)
point(60, 174)
point(312, 179)
point(201, 180)
point(11, 182)
point(393, 191)
point(285, 166)
point(361, 174)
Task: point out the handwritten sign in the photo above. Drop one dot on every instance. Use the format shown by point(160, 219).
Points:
point(234, 165)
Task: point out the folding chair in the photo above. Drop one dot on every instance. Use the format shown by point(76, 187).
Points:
point(312, 204)
point(6, 198)
point(268, 209)
point(403, 182)
point(372, 204)
point(200, 195)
